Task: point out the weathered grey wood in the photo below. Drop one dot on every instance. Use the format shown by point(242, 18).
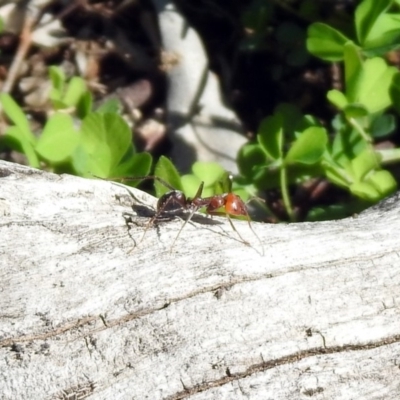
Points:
point(86, 313)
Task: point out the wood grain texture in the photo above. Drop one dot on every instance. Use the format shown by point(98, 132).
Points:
point(87, 310)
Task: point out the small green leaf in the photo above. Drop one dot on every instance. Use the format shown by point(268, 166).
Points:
point(384, 182)
point(366, 15)
point(14, 134)
point(353, 71)
point(307, 121)
point(329, 213)
point(58, 139)
point(339, 123)
point(105, 138)
point(395, 92)
point(346, 145)
point(110, 106)
point(337, 98)
point(325, 42)
point(75, 89)
point(82, 165)
point(191, 184)
point(355, 111)
point(364, 163)
point(58, 80)
point(223, 184)
point(270, 136)
point(20, 133)
point(208, 172)
point(384, 36)
point(336, 175)
point(250, 155)
point(365, 191)
point(374, 91)
point(84, 106)
point(136, 165)
point(57, 103)
point(266, 178)
point(166, 171)
point(309, 147)
point(383, 125)
point(17, 116)
point(378, 185)
point(387, 43)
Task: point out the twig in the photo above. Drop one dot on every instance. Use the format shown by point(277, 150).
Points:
point(24, 45)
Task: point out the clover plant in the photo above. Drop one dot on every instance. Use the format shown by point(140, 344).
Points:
point(75, 139)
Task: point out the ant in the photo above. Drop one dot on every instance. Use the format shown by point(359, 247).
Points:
point(226, 204)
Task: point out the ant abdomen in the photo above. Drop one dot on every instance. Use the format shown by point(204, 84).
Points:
point(234, 205)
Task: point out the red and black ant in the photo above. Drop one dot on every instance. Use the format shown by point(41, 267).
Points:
point(227, 204)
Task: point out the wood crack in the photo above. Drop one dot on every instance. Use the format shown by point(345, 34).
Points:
point(266, 365)
point(107, 324)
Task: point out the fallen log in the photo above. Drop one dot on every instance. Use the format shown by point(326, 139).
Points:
point(89, 310)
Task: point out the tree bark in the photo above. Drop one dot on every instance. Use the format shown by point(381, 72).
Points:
point(89, 309)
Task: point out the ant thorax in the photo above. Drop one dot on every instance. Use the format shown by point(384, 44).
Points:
point(172, 201)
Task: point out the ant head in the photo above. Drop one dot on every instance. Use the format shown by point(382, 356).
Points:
point(174, 200)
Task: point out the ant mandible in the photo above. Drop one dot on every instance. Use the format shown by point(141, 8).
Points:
point(226, 204)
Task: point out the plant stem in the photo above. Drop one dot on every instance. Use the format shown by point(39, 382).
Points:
point(389, 156)
point(354, 123)
point(285, 193)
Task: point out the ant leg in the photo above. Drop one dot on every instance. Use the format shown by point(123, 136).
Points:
point(255, 234)
point(248, 220)
point(148, 225)
point(159, 211)
point(233, 227)
point(195, 207)
point(181, 229)
point(225, 214)
point(153, 177)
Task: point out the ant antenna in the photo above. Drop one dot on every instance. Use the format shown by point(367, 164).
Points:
point(143, 178)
